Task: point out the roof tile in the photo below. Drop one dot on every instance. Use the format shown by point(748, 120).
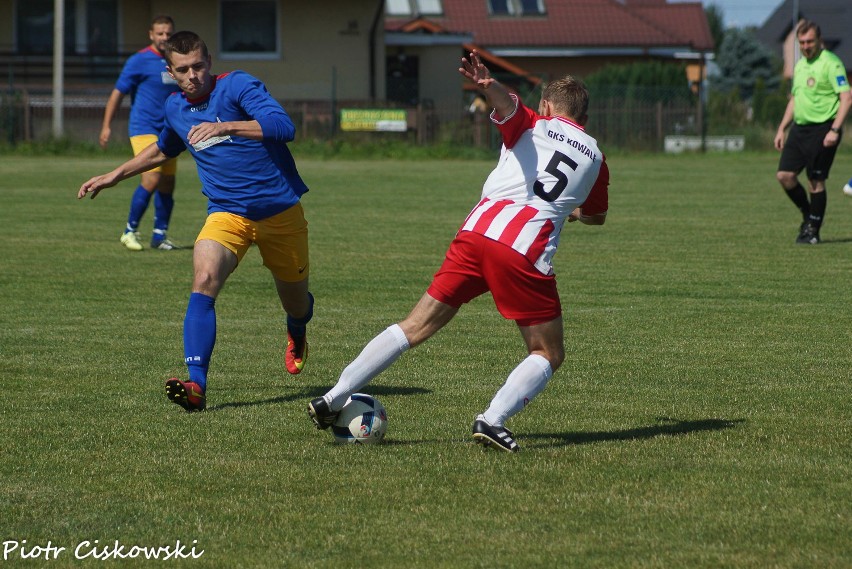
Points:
point(581, 23)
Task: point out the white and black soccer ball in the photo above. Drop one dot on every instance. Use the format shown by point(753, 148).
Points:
point(363, 420)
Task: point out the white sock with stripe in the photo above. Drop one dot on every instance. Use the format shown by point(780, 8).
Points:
point(523, 384)
point(375, 358)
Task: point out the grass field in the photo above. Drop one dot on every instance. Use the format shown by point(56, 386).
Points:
point(702, 418)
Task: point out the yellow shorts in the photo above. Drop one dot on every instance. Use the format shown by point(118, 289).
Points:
point(143, 141)
point(282, 240)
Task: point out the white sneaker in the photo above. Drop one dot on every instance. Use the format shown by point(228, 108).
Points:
point(847, 189)
point(164, 245)
point(131, 241)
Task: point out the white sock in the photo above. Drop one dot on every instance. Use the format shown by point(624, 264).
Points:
point(523, 384)
point(375, 358)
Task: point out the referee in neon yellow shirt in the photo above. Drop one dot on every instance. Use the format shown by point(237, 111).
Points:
point(818, 106)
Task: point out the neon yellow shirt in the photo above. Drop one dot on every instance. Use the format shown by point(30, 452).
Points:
point(816, 84)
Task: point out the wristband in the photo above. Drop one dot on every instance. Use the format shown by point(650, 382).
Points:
point(835, 130)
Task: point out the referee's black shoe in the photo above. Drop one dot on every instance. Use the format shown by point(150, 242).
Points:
point(498, 438)
point(809, 235)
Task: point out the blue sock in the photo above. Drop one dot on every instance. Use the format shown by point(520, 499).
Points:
point(163, 205)
point(199, 336)
point(297, 327)
point(138, 205)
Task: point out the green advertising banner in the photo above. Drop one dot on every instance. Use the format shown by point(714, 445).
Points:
point(385, 120)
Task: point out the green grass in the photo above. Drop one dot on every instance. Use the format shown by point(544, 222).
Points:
point(702, 417)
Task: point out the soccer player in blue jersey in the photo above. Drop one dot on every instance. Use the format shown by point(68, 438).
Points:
point(145, 78)
point(237, 134)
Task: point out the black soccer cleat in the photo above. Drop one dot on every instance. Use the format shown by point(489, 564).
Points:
point(321, 414)
point(498, 438)
point(809, 235)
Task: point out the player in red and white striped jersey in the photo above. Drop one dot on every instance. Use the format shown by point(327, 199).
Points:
point(549, 171)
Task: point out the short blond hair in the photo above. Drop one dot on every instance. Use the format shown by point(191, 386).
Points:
point(569, 97)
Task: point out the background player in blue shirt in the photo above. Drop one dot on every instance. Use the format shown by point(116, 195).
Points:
point(237, 134)
point(146, 79)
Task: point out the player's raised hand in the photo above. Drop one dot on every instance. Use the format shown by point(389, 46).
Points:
point(473, 68)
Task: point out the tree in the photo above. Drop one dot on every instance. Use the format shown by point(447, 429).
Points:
point(715, 19)
point(650, 80)
point(630, 103)
point(743, 61)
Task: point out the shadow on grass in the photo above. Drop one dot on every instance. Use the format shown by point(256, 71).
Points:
point(665, 426)
point(307, 394)
point(841, 240)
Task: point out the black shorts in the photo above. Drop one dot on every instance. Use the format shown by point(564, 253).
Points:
point(804, 149)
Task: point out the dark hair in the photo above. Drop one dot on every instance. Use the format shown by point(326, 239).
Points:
point(184, 42)
point(568, 96)
point(162, 19)
point(807, 25)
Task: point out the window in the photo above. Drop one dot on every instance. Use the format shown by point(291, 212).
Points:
point(501, 7)
point(403, 83)
point(413, 8)
point(532, 7)
point(249, 28)
point(516, 7)
point(34, 23)
point(101, 27)
point(91, 26)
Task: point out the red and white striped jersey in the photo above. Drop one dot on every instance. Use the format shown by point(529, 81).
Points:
point(548, 166)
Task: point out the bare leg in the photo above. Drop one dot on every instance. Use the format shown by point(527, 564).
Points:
point(294, 297)
point(213, 263)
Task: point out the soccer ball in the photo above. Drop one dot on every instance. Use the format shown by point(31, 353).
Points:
point(363, 420)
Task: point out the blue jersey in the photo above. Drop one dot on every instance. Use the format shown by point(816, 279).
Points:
point(255, 179)
point(146, 79)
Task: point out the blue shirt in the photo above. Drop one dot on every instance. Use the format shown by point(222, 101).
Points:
point(146, 79)
point(255, 179)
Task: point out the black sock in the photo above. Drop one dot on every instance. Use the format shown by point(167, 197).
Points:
point(818, 201)
point(799, 196)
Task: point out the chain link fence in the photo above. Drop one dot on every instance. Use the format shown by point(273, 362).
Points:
point(619, 118)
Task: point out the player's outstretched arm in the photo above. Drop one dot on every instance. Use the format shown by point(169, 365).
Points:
point(149, 158)
point(112, 106)
point(495, 93)
point(94, 185)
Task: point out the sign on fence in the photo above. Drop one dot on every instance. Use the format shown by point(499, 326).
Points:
point(729, 143)
point(385, 120)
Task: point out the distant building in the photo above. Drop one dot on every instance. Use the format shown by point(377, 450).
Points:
point(835, 21)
